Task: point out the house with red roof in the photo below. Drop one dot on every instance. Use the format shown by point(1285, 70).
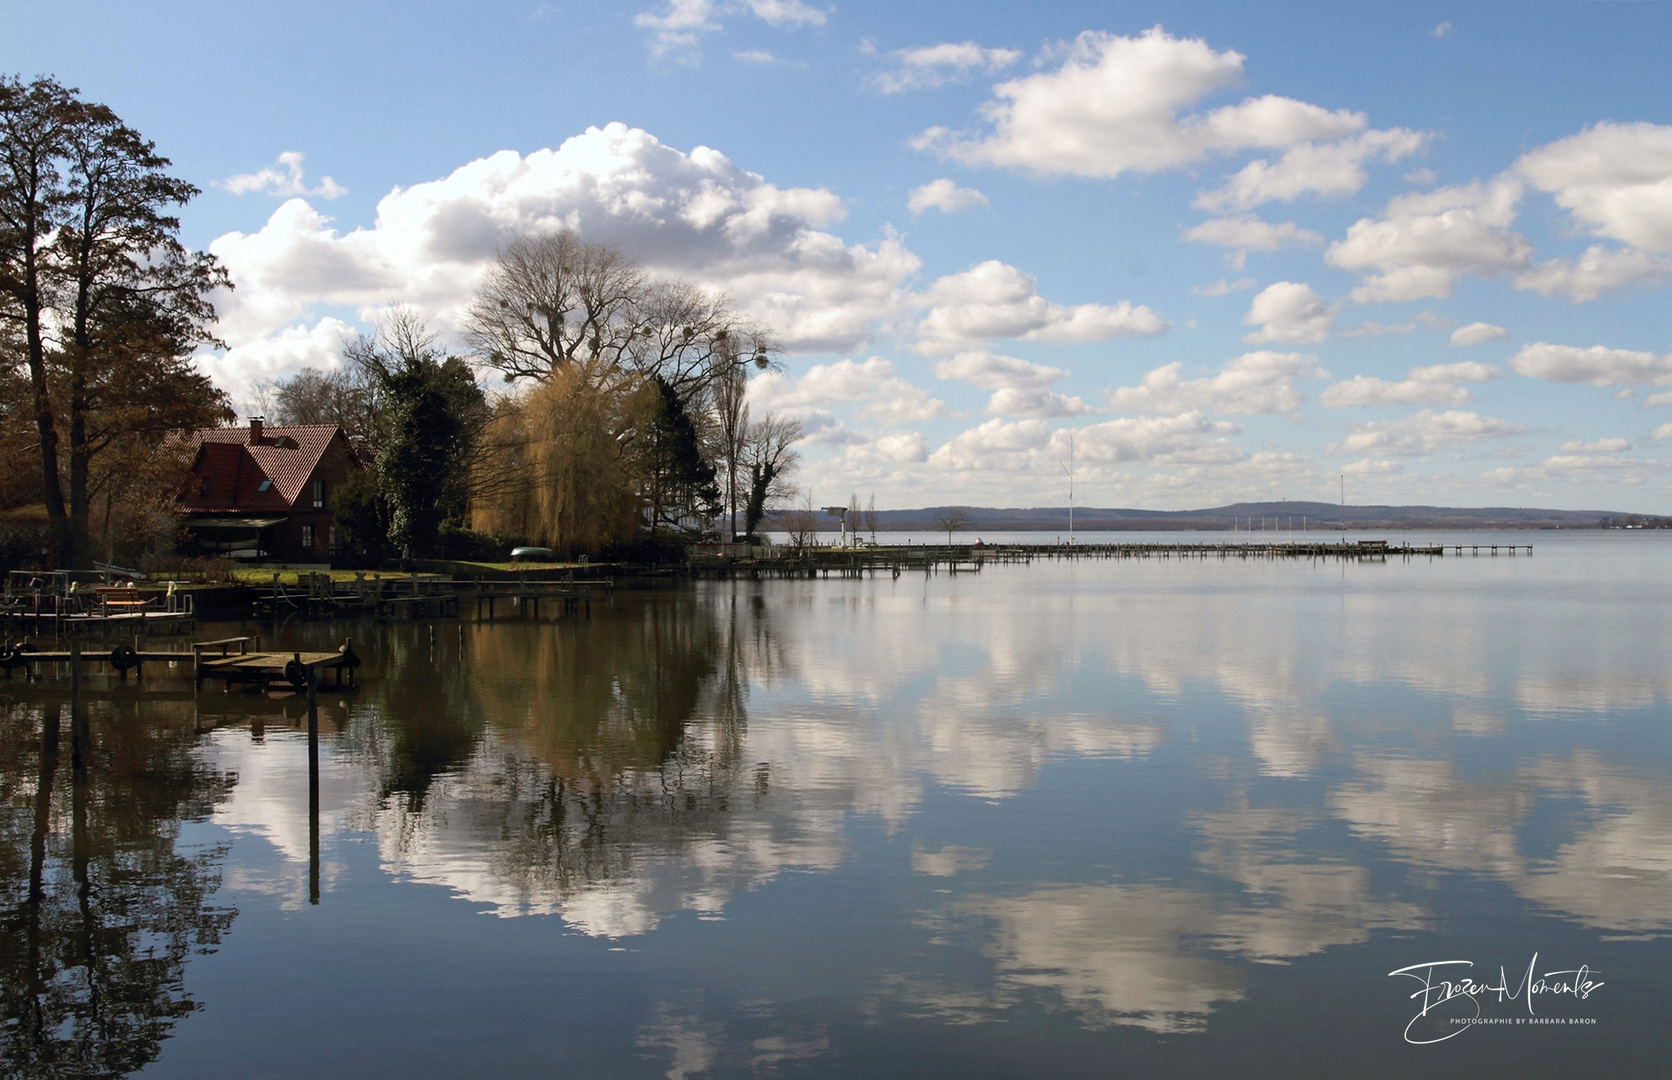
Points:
point(265, 492)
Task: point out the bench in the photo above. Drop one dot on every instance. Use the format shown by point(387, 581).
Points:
point(115, 599)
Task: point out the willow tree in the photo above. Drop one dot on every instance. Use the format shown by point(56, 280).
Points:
point(572, 486)
point(102, 305)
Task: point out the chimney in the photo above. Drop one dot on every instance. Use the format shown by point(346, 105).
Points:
point(255, 431)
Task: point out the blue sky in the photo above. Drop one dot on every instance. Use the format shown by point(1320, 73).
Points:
point(1230, 251)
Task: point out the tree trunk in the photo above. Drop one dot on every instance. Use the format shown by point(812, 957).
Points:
point(52, 489)
point(79, 556)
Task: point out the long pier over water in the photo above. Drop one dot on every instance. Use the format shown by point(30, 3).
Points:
point(722, 560)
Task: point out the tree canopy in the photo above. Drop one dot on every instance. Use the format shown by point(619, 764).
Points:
point(428, 412)
point(101, 306)
point(636, 413)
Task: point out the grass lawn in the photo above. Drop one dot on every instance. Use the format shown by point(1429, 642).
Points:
point(513, 567)
point(256, 575)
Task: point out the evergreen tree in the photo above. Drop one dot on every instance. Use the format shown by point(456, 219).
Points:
point(429, 413)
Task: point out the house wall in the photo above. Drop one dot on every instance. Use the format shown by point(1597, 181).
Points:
point(333, 470)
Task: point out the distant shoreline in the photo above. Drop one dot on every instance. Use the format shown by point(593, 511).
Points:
point(1237, 516)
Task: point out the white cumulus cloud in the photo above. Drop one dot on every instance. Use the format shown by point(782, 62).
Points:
point(1309, 168)
point(1596, 364)
point(1432, 385)
point(935, 65)
point(271, 358)
point(1615, 179)
point(1424, 241)
point(1595, 271)
point(1423, 433)
point(1031, 445)
point(1118, 104)
point(1601, 446)
point(1249, 233)
point(1256, 382)
point(883, 395)
point(1477, 333)
point(995, 444)
point(996, 300)
point(284, 179)
point(1223, 287)
point(1019, 387)
point(695, 215)
point(679, 26)
point(1153, 438)
point(944, 195)
point(1289, 313)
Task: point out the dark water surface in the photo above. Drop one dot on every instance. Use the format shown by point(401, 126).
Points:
point(1152, 818)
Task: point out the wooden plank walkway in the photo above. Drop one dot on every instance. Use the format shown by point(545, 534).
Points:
point(227, 660)
point(970, 558)
point(264, 669)
point(414, 597)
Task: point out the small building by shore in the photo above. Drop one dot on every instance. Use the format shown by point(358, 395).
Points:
point(261, 492)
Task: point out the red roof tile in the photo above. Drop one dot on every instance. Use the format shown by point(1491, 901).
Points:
point(286, 455)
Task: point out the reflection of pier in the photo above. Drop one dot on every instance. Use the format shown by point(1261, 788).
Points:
point(722, 561)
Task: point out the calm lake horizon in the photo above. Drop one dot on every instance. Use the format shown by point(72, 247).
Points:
point(1158, 817)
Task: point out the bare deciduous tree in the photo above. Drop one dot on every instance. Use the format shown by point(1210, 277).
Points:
point(770, 457)
point(801, 524)
point(730, 432)
point(550, 301)
point(553, 300)
point(952, 520)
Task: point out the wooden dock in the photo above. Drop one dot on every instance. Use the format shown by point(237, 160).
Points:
point(55, 605)
point(227, 660)
point(317, 596)
point(764, 562)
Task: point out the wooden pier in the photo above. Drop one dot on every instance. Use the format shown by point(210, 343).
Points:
point(414, 597)
point(230, 661)
point(765, 562)
point(60, 604)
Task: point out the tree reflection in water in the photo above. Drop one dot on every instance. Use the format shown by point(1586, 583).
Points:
point(101, 906)
point(571, 751)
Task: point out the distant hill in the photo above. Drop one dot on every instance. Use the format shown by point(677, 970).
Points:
point(1317, 515)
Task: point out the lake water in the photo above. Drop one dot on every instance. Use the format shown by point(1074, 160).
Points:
point(1153, 818)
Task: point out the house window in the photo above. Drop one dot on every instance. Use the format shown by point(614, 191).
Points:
point(265, 485)
point(319, 494)
point(203, 485)
point(331, 538)
point(307, 536)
